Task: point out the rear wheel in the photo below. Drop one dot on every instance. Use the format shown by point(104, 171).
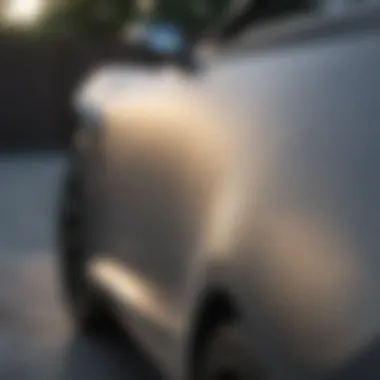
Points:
point(85, 302)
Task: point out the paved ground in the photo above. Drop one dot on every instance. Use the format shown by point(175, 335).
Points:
point(36, 339)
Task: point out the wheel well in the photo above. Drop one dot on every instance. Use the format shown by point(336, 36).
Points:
point(216, 308)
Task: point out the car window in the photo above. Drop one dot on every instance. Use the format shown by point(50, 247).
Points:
point(259, 12)
point(273, 21)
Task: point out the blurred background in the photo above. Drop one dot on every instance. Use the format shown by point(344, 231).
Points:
point(46, 47)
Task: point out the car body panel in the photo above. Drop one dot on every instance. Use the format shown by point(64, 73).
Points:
point(312, 109)
point(175, 154)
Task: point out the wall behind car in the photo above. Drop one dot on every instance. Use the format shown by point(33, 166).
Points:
point(37, 78)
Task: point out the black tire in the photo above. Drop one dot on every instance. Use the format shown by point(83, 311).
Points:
point(224, 357)
point(88, 308)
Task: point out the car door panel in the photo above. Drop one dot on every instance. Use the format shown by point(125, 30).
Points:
point(312, 108)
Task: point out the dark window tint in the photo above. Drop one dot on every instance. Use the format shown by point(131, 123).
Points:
point(260, 12)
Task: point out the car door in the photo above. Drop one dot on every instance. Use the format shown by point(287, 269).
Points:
point(306, 94)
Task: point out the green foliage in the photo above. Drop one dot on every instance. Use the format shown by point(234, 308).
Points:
point(96, 18)
point(88, 18)
point(177, 11)
point(107, 18)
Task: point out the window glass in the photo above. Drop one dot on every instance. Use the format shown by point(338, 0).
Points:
point(261, 12)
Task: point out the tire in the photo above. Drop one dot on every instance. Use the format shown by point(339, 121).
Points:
point(224, 356)
point(87, 306)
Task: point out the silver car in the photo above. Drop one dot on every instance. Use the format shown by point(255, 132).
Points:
point(229, 218)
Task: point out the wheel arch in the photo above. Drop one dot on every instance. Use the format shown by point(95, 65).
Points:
point(216, 306)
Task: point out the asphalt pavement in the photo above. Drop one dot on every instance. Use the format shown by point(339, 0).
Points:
point(37, 340)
